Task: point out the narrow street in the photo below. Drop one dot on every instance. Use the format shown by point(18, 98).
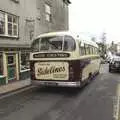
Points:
point(97, 101)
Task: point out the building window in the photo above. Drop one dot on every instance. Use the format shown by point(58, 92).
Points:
point(15, 1)
point(1, 64)
point(64, 4)
point(2, 23)
point(38, 14)
point(11, 59)
point(24, 61)
point(12, 25)
point(47, 13)
point(8, 25)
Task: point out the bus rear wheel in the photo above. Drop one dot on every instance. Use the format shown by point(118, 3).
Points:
point(89, 78)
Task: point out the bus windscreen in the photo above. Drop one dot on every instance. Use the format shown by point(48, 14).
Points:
point(54, 43)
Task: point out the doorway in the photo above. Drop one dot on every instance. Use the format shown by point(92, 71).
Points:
point(11, 67)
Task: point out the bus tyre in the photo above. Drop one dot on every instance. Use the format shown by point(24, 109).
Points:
point(89, 78)
point(110, 69)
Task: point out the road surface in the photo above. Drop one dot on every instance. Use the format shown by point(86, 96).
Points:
point(97, 101)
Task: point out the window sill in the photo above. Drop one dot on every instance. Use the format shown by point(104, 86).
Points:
point(15, 1)
point(12, 37)
point(24, 70)
point(2, 76)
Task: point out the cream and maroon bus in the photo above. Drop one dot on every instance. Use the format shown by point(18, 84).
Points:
point(63, 59)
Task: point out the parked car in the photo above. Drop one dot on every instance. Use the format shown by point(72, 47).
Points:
point(114, 64)
point(108, 59)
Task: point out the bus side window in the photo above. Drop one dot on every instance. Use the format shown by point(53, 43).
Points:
point(92, 50)
point(95, 51)
point(85, 49)
point(89, 49)
point(82, 49)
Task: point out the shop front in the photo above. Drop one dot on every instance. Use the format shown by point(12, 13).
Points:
point(8, 67)
point(12, 63)
point(2, 77)
point(14, 66)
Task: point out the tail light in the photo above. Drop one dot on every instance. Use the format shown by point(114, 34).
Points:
point(32, 71)
point(71, 73)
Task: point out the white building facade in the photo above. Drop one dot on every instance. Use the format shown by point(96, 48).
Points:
point(20, 22)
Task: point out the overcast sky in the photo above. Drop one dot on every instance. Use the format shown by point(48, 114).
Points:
point(95, 17)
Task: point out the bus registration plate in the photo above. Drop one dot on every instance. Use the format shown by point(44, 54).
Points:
point(52, 70)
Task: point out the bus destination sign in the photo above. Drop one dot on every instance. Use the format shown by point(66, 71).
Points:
point(51, 55)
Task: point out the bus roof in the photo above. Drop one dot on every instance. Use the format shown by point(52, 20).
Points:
point(77, 36)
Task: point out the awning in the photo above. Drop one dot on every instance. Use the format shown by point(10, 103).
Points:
point(15, 45)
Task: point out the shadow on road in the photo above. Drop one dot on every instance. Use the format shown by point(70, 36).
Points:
point(67, 91)
point(61, 90)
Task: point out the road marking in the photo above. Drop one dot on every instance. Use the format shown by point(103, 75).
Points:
point(116, 104)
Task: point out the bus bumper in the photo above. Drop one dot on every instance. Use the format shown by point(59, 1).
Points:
point(56, 83)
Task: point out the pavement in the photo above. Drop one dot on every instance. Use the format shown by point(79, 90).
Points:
point(4, 89)
point(100, 100)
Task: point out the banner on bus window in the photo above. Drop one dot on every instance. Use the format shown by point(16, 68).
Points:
point(51, 70)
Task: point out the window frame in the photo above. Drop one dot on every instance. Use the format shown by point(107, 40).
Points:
point(20, 59)
point(2, 13)
point(15, 1)
point(90, 49)
point(6, 28)
point(14, 60)
point(48, 12)
point(2, 73)
point(87, 49)
point(38, 43)
point(82, 49)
